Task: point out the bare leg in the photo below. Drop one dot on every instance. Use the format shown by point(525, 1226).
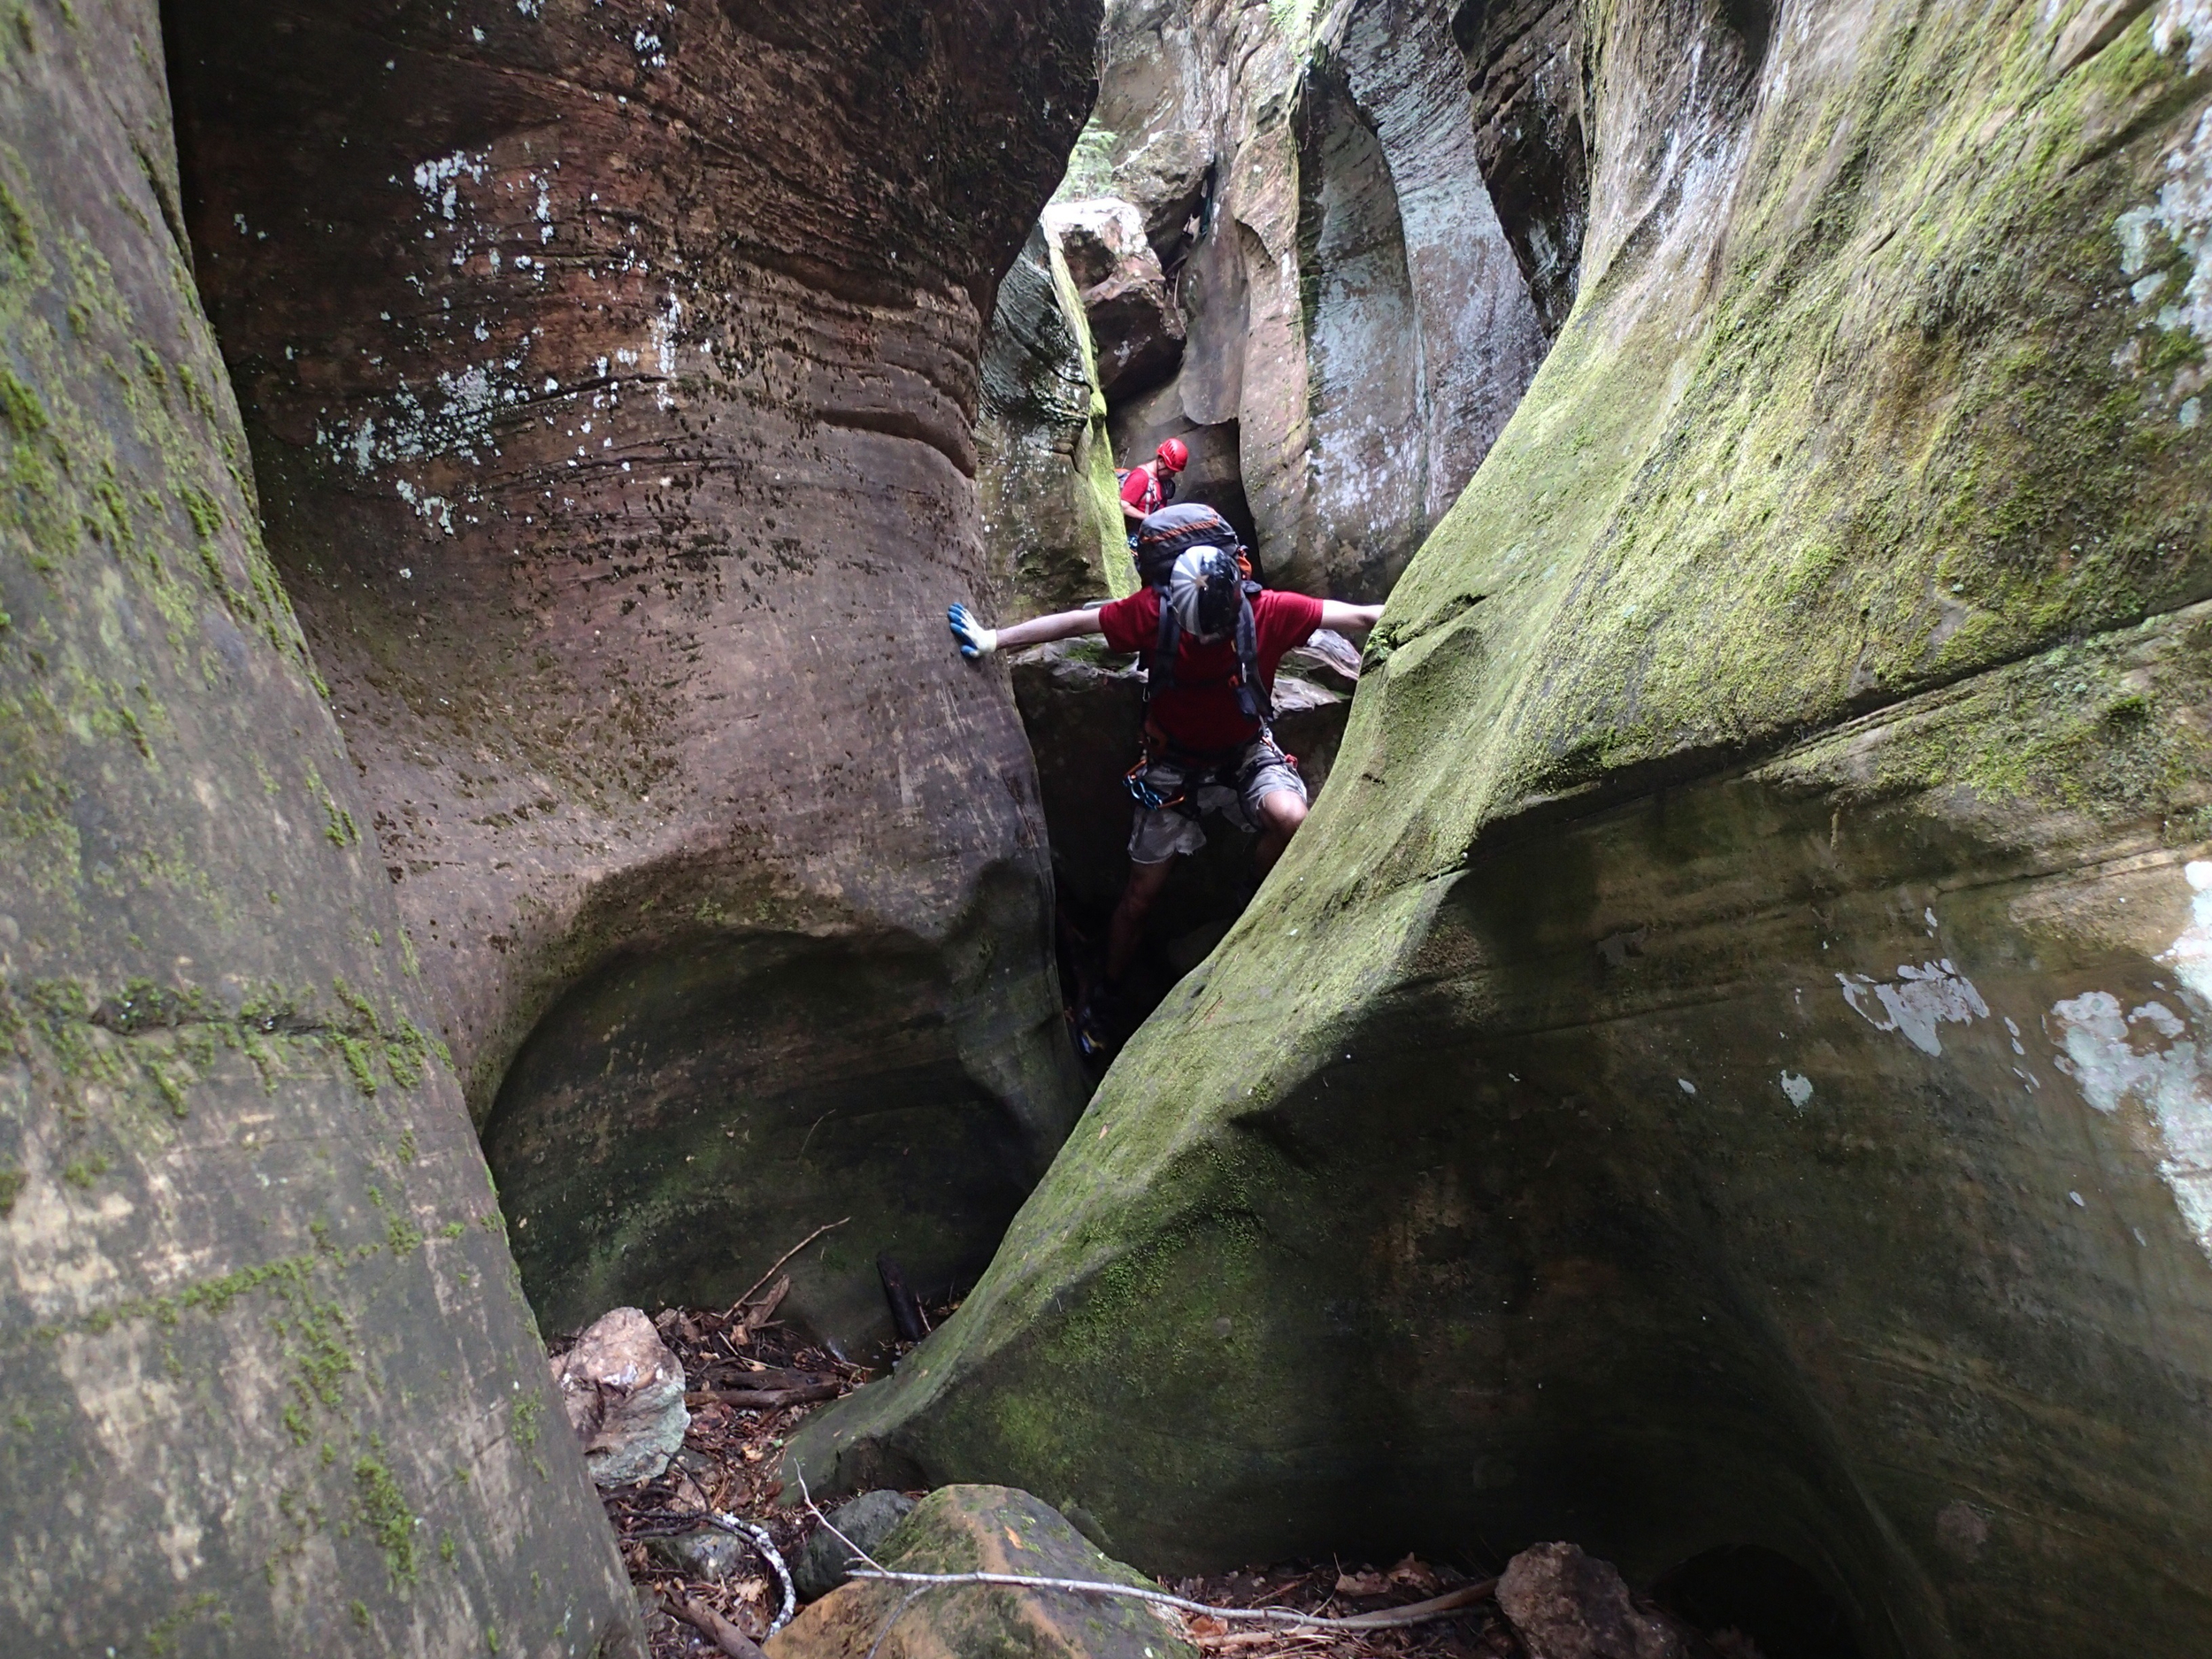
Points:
point(1143, 886)
point(1281, 812)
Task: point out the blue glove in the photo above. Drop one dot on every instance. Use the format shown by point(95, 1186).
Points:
point(976, 641)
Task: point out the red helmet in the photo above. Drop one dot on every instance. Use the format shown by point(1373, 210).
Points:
point(1173, 455)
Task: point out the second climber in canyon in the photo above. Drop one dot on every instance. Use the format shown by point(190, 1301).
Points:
point(1209, 639)
point(1150, 485)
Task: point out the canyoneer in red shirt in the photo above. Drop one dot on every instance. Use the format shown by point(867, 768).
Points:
point(1210, 639)
point(1150, 486)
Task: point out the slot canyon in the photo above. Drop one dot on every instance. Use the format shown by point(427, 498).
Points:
point(504, 870)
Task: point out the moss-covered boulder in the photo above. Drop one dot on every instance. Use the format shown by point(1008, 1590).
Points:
point(985, 1529)
point(1721, 1064)
point(612, 375)
point(270, 1386)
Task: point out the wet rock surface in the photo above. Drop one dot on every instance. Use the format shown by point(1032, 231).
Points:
point(270, 1387)
point(1524, 61)
point(622, 466)
point(1358, 327)
point(623, 1392)
point(1719, 1066)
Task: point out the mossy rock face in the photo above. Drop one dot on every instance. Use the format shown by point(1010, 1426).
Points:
point(1045, 481)
point(1721, 1062)
point(613, 379)
point(985, 1529)
point(270, 1384)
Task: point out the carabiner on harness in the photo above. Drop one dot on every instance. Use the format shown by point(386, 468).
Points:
point(1141, 790)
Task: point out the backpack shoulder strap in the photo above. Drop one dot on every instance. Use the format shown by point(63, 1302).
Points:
point(1256, 701)
point(1166, 646)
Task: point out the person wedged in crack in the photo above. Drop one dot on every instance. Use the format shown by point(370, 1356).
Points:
point(1210, 639)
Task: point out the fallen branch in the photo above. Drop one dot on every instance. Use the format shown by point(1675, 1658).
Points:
point(770, 1553)
point(1389, 1618)
point(826, 1227)
point(713, 1626)
point(766, 1399)
point(764, 1309)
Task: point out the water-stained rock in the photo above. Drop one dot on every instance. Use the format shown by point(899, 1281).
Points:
point(1719, 1066)
point(613, 374)
point(270, 1387)
point(1357, 319)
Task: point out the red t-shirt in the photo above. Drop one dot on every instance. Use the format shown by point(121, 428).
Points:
point(1199, 711)
point(1142, 490)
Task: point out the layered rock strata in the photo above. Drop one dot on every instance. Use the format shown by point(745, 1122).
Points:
point(1721, 1064)
point(612, 375)
point(271, 1386)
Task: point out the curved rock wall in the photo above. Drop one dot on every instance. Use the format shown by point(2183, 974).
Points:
point(271, 1386)
point(612, 374)
point(1721, 1064)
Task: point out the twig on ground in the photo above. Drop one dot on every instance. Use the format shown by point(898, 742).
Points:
point(713, 1626)
point(826, 1227)
point(1388, 1619)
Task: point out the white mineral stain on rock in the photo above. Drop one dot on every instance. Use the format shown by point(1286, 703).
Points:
point(2184, 20)
point(2191, 954)
point(2146, 1054)
point(1917, 1002)
point(1800, 1090)
point(2181, 216)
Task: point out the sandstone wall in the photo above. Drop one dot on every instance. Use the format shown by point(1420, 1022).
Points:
point(1360, 325)
point(612, 376)
point(1721, 1064)
point(271, 1385)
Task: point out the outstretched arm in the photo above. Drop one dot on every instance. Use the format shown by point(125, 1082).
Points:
point(976, 641)
point(1349, 619)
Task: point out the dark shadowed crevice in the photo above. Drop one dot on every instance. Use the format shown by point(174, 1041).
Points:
point(1778, 1606)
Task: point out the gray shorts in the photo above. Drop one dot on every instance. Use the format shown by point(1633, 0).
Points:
point(1233, 789)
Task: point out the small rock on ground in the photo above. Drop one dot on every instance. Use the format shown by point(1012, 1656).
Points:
point(867, 1521)
point(712, 1554)
point(1567, 1605)
point(987, 1529)
point(623, 1392)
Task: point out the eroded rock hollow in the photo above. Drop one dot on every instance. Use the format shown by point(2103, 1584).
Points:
point(612, 373)
point(1721, 1064)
